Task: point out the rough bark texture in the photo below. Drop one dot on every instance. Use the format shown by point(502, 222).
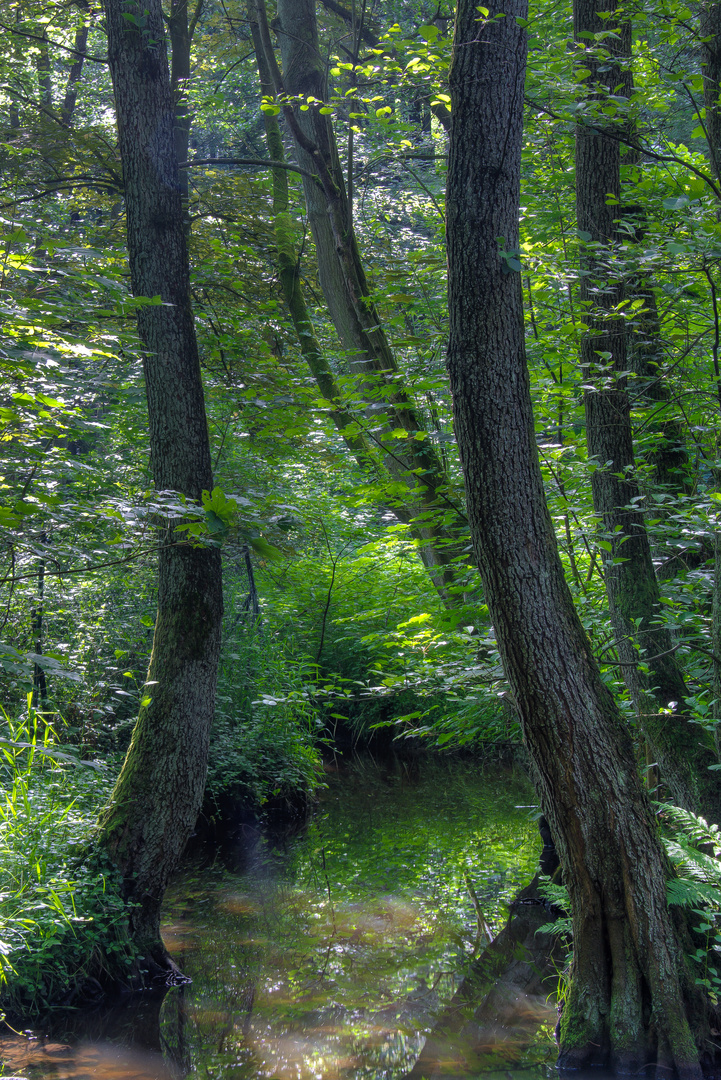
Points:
point(631, 585)
point(413, 460)
point(153, 808)
point(626, 1004)
point(710, 29)
point(181, 30)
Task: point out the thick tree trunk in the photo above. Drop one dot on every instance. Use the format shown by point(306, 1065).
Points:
point(631, 585)
point(153, 808)
point(627, 1003)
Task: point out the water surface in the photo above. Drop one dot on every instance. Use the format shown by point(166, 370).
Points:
point(328, 955)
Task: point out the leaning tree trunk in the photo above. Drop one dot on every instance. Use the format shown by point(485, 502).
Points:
point(412, 460)
point(627, 1004)
point(631, 585)
point(289, 274)
point(154, 806)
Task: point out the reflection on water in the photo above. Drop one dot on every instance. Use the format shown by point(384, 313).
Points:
point(87, 1060)
point(115, 1044)
point(331, 956)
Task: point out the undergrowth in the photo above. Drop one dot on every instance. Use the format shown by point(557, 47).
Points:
point(62, 919)
point(266, 726)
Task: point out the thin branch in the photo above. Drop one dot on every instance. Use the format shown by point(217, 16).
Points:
point(55, 44)
point(619, 137)
point(641, 660)
point(96, 186)
point(95, 566)
point(258, 163)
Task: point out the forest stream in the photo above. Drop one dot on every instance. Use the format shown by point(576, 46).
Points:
point(328, 953)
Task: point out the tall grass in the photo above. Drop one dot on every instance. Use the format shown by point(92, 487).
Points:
point(62, 919)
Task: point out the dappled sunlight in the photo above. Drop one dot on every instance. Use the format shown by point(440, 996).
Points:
point(333, 957)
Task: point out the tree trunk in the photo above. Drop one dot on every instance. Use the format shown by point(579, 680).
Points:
point(289, 274)
point(626, 1004)
point(40, 685)
point(45, 74)
point(633, 593)
point(153, 808)
point(710, 29)
point(67, 110)
point(181, 30)
point(412, 460)
point(667, 454)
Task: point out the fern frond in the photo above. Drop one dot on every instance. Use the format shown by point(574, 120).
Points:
point(696, 828)
point(690, 862)
point(693, 894)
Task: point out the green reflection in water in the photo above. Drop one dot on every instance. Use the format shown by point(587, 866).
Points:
point(333, 958)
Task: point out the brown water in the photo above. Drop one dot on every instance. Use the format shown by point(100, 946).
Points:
point(329, 956)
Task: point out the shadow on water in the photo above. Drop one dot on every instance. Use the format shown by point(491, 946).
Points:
point(333, 953)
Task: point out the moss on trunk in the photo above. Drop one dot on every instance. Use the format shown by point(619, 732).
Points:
point(153, 808)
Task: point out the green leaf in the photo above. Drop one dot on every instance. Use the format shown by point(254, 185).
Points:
point(676, 202)
point(264, 548)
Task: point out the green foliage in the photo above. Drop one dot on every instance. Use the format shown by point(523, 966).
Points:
point(350, 634)
point(264, 741)
point(693, 847)
point(557, 897)
point(62, 917)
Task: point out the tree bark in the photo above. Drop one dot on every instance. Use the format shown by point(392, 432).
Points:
point(710, 29)
point(412, 460)
point(45, 73)
point(67, 110)
point(181, 30)
point(289, 274)
point(632, 588)
point(153, 808)
point(627, 1004)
